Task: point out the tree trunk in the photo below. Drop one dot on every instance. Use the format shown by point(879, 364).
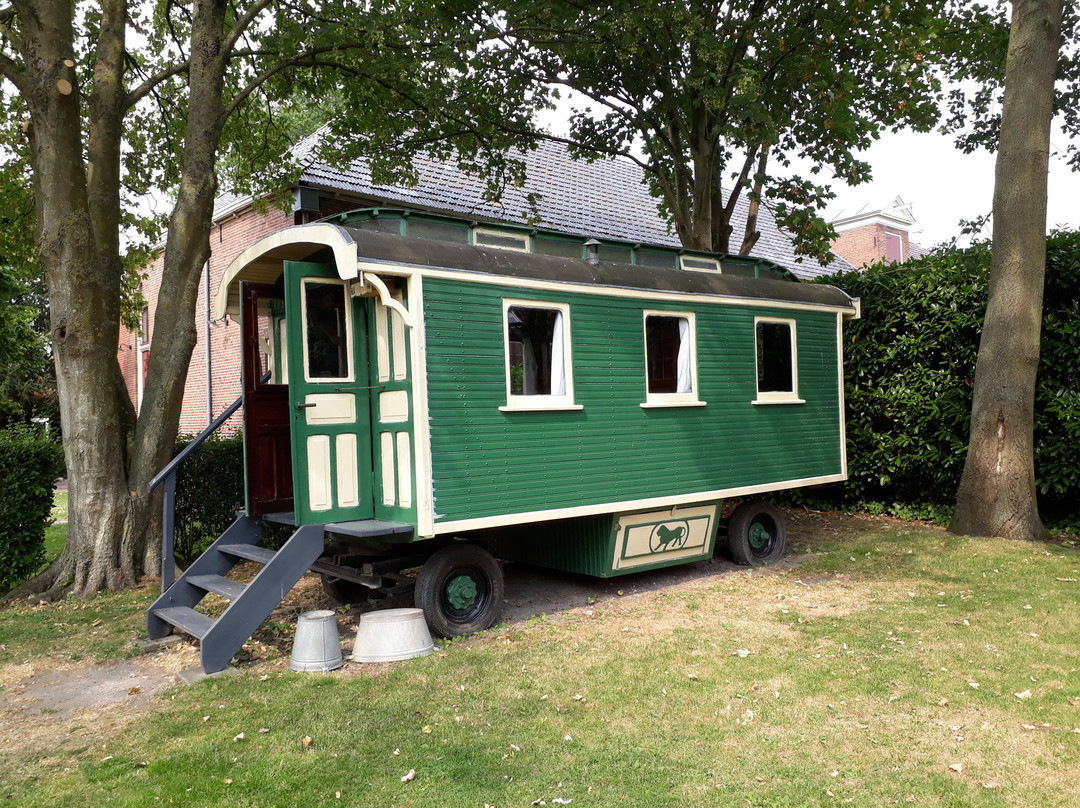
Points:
point(997, 489)
point(111, 530)
point(84, 297)
point(187, 248)
point(751, 234)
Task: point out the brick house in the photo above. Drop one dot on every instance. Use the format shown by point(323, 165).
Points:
point(604, 199)
point(870, 236)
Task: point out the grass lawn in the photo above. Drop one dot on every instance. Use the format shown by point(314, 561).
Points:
point(60, 506)
point(884, 663)
point(55, 536)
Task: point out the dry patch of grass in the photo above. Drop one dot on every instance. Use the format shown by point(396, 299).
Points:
point(53, 715)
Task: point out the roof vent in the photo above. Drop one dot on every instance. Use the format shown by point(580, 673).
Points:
point(592, 252)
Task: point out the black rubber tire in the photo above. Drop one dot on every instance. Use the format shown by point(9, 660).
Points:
point(345, 592)
point(757, 535)
point(453, 567)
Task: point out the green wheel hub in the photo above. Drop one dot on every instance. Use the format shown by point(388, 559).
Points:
point(759, 536)
point(461, 592)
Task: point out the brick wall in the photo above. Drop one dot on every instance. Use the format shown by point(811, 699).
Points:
point(862, 246)
point(203, 402)
point(127, 354)
point(228, 239)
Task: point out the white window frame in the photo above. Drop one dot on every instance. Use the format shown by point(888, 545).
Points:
point(523, 239)
point(537, 403)
point(142, 344)
point(689, 399)
point(704, 264)
point(781, 396)
point(899, 247)
point(349, 338)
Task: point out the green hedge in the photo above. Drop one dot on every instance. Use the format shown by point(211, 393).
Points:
point(210, 493)
point(910, 364)
point(30, 463)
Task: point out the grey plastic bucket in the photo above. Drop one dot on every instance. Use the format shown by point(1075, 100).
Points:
point(390, 635)
point(317, 646)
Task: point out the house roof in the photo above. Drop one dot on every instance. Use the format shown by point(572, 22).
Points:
point(917, 250)
point(603, 198)
point(894, 213)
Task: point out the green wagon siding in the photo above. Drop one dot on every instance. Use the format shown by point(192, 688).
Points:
point(489, 463)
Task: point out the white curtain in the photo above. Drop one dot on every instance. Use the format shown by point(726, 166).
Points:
point(685, 383)
point(528, 367)
point(558, 358)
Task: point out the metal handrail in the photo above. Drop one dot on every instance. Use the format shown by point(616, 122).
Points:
point(172, 465)
point(167, 476)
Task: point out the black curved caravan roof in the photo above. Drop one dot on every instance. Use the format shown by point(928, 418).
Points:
point(358, 241)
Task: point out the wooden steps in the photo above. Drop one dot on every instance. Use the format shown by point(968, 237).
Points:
point(249, 552)
point(187, 620)
point(251, 603)
point(219, 585)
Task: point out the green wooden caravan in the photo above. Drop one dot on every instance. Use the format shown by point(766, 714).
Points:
point(428, 393)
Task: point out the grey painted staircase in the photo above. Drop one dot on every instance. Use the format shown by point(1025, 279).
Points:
point(251, 603)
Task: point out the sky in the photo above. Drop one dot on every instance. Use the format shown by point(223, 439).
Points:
point(944, 185)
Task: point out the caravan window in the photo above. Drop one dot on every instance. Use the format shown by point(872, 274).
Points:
point(326, 332)
point(670, 359)
point(777, 362)
point(538, 368)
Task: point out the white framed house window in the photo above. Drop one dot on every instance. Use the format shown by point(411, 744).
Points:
point(670, 360)
point(776, 355)
point(142, 341)
point(894, 248)
point(538, 358)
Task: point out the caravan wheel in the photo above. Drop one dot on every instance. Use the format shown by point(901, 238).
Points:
point(756, 534)
point(460, 589)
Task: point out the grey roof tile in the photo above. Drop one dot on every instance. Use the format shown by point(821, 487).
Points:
point(603, 198)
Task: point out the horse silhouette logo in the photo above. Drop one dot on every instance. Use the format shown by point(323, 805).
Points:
point(669, 536)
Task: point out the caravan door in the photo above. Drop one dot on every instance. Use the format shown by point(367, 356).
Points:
point(267, 454)
point(329, 396)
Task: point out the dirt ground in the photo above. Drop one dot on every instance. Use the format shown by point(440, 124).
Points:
point(99, 699)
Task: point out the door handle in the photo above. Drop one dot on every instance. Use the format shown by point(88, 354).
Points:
point(302, 406)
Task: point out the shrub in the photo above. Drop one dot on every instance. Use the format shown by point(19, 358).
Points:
point(209, 492)
point(30, 462)
point(910, 366)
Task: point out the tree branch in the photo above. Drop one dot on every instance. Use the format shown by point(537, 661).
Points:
point(9, 69)
point(13, 73)
point(105, 126)
point(242, 24)
point(751, 234)
point(152, 83)
point(740, 182)
point(310, 57)
point(7, 16)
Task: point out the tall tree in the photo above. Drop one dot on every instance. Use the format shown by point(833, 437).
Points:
point(117, 98)
point(714, 99)
point(997, 490)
